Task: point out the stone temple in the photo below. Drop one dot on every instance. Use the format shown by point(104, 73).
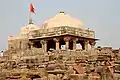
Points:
point(52, 51)
point(59, 30)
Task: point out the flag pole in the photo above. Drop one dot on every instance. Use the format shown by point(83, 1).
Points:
point(29, 14)
point(30, 18)
point(31, 8)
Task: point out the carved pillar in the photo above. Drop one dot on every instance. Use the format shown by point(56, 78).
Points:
point(74, 43)
point(31, 44)
point(57, 43)
point(66, 45)
point(44, 45)
point(67, 39)
point(86, 45)
point(20, 46)
point(92, 43)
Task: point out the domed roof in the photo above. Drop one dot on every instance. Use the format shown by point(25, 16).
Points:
point(62, 19)
point(27, 29)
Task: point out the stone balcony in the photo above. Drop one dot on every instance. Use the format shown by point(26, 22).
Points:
point(57, 31)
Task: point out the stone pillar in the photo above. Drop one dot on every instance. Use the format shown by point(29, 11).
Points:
point(67, 39)
point(31, 44)
point(66, 45)
point(57, 43)
point(20, 46)
point(86, 45)
point(74, 43)
point(44, 45)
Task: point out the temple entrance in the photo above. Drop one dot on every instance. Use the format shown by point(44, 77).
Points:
point(51, 45)
point(37, 44)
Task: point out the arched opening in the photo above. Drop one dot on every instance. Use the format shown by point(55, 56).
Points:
point(51, 44)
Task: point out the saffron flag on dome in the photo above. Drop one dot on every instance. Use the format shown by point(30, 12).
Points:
point(32, 9)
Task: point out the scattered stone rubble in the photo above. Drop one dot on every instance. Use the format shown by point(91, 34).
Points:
point(33, 64)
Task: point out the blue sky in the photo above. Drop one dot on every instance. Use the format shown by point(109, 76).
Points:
point(103, 16)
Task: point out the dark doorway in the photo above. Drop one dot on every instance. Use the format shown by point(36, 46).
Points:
point(51, 44)
point(71, 45)
point(37, 44)
point(81, 43)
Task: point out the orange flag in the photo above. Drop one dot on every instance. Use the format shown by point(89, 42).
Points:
point(32, 8)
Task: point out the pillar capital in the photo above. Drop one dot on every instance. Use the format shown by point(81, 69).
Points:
point(67, 38)
point(74, 43)
point(43, 41)
point(57, 43)
point(86, 44)
point(92, 42)
point(31, 44)
point(56, 39)
point(75, 39)
point(44, 45)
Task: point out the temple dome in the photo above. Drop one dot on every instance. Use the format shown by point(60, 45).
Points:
point(27, 29)
point(62, 19)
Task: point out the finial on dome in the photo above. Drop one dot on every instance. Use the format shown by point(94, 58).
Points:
point(62, 12)
point(30, 21)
